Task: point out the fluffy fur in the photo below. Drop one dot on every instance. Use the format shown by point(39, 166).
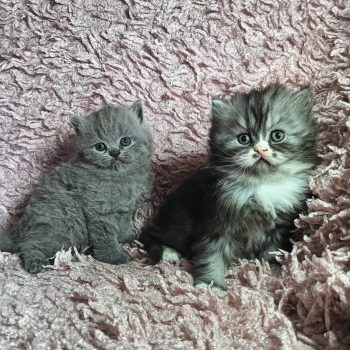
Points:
point(243, 205)
point(90, 200)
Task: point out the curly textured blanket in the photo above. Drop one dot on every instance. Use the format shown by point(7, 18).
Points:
point(60, 57)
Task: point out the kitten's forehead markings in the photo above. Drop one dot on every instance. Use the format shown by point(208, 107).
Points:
point(239, 124)
point(257, 113)
point(269, 116)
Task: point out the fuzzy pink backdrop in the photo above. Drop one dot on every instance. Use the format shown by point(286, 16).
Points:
point(61, 57)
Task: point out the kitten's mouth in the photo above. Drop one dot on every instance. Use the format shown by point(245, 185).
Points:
point(118, 161)
point(263, 161)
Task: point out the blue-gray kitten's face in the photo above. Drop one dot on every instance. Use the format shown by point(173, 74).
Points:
point(114, 137)
point(263, 131)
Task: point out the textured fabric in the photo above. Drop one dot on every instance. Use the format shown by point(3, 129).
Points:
point(63, 57)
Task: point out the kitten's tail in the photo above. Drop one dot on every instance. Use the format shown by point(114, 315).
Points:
point(153, 247)
point(7, 244)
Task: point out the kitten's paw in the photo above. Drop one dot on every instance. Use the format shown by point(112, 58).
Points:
point(201, 285)
point(35, 264)
point(122, 258)
point(126, 236)
point(171, 255)
point(127, 239)
point(113, 256)
point(215, 286)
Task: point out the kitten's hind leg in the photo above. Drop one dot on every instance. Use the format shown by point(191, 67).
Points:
point(170, 255)
point(7, 244)
point(39, 245)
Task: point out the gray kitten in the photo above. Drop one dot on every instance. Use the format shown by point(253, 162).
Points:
point(90, 200)
point(262, 146)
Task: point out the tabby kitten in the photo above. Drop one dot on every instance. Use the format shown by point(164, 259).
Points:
point(262, 146)
point(90, 200)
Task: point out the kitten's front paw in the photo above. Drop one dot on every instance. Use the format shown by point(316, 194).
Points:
point(171, 255)
point(201, 285)
point(121, 258)
point(111, 256)
point(127, 239)
point(217, 285)
point(213, 288)
point(34, 264)
point(126, 236)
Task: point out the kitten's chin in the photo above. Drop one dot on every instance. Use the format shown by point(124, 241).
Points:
point(116, 165)
point(118, 161)
point(119, 164)
point(262, 167)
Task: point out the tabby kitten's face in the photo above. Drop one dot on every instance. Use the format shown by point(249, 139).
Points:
point(114, 137)
point(263, 132)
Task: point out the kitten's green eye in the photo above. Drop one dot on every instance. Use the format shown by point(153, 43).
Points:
point(277, 136)
point(125, 141)
point(101, 147)
point(244, 139)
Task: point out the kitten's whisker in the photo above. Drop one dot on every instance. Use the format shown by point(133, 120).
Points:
point(229, 169)
point(225, 153)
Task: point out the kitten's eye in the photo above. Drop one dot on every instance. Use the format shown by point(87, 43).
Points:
point(101, 147)
point(244, 139)
point(125, 141)
point(277, 136)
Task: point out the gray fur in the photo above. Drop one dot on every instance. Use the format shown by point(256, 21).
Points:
point(90, 200)
point(241, 206)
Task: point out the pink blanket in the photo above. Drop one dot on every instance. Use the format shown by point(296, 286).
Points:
point(61, 57)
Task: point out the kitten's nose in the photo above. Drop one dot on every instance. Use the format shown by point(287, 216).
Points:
point(114, 153)
point(261, 148)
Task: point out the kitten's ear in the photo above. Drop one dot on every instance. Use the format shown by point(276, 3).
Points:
point(305, 94)
point(76, 123)
point(137, 108)
point(218, 107)
point(303, 101)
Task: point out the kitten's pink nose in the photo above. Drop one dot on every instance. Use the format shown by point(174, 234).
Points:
point(262, 148)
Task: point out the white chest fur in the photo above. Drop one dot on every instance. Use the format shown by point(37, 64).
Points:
point(280, 193)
